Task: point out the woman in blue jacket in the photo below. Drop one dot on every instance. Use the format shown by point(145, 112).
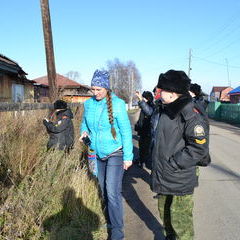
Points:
point(106, 123)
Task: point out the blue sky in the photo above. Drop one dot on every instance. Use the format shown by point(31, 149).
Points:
point(155, 34)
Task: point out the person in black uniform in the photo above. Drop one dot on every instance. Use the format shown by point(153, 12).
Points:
point(181, 141)
point(143, 128)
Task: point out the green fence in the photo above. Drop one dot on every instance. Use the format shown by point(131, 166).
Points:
point(224, 112)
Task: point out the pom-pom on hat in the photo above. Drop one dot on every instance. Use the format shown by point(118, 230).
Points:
point(101, 79)
point(60, 104)
point(174, 81)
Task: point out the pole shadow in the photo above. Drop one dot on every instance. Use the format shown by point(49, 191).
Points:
point(75, 221)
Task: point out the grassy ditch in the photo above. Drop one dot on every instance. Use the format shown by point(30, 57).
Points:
point(45, 195)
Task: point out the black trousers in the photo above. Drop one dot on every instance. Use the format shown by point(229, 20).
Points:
point(144, 150)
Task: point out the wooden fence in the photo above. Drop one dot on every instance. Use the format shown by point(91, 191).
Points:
point(10, 107)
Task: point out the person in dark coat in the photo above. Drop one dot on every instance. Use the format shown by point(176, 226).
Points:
point(61, 131)
point(143, 128)
point(198, 97)
point(181, 142)
point(152, 111)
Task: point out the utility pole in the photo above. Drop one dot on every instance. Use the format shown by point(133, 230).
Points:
point(47, 31)
point(189, 62)
point(229, 82)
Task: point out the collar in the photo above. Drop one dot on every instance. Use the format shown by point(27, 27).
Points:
point(174, 108)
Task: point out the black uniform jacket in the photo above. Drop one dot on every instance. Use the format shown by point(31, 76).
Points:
point(61, 133)
point(182, 139)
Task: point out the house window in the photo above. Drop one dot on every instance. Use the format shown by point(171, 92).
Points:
point(17, 93)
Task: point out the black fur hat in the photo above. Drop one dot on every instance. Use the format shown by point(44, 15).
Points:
point(174, 81)
point(148, 95)
point(196, 89)
point(60, 104)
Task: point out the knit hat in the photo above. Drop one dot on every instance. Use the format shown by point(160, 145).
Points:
point(101, 79)
point(196, 89)
point(60, 104)
point(174, 81)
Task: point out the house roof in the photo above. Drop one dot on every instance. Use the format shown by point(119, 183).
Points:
point(235, 91)
point(62, 81)
point(10, 66)
point(218, 89)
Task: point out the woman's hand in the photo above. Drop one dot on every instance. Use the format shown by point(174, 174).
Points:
point(127, 164)
point(84, 134)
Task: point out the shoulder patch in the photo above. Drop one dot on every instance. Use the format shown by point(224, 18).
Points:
point(201, 141)
point(199, 131)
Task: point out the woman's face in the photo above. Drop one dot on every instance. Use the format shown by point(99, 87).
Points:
point(99, 92)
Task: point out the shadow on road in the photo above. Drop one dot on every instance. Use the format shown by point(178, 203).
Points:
point(234, 128)
point(226, 171)
point(136, 204)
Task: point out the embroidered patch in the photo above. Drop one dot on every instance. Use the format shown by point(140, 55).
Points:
point(201, 141)
point(199, 131)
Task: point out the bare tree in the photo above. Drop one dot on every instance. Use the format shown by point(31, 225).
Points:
point(125, 79)
point(74, 75)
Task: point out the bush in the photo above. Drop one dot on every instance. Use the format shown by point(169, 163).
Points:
point(47, 195)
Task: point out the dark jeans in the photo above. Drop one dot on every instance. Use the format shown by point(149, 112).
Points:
point(110, 175)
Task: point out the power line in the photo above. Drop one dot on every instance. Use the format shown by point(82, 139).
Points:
point(213, 62)
point(223, 48)
point(221, 30)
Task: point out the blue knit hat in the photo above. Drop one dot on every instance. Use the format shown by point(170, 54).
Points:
point(101, 79)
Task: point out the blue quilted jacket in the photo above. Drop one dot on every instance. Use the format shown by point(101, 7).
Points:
point(96, 123)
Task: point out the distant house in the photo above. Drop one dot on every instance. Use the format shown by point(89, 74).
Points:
point(68, 89)
point(235, 95)
point(220, 94)
point(14, 85)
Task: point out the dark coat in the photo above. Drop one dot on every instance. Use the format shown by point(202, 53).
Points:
point(201, 104)
point(181, 141)
point(152, 111)
point(143, 125)
point(61, 133)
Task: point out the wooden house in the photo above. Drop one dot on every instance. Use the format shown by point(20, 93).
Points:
point(14, 85)
point(68, 89)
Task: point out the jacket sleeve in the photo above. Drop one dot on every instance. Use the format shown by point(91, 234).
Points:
point(59, 127)
point(196, 135)
point(146, 108)
point(84, 127)
point(125, 131)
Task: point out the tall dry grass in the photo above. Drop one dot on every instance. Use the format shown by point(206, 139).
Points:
point(45, 195)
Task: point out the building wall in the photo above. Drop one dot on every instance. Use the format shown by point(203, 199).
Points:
point(5, 89)
point(76, 99)
point(6, 83)
point(28, 93)
point(224, 95)
point(235, 98)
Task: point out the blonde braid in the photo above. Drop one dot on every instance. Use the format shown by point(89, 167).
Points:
point(110, 113)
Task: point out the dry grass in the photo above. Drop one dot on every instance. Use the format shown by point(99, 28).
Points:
point(48, 195)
